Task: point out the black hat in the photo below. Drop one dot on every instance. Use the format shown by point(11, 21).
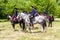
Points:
point(15, 8)
point(32, 6)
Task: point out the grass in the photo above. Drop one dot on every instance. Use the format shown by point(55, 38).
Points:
point(6, 33)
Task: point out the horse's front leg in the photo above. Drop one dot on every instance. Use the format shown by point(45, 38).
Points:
point(51, 23)
point(13, 26)
point(22, 25)
point(32, 25)
point(48, 23)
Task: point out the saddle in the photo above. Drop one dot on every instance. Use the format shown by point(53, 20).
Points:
point(14, 19)
point(32, 18)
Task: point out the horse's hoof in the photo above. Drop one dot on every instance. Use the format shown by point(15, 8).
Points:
point(42, 31)
point(13, 30)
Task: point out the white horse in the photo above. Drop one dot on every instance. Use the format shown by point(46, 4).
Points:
point(38, 19)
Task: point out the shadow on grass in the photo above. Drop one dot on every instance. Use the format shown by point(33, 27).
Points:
point(56, 21)
point(15, 30)
point(6, 29)
point(35, 28)
point(36, 32)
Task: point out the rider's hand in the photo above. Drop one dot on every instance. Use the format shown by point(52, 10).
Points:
point(31, 16)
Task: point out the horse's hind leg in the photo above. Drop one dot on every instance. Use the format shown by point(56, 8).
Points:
point(29, 28)
point(23, 23)
point(41, 28)
point(51, 24)
point(20, 24)
point(43, 25)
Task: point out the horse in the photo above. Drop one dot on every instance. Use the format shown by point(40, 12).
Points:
point(15, 21)
point(38, 19)
point(50, 19)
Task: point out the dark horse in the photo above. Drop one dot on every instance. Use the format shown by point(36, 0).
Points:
point(50, 19)
point(15, 21)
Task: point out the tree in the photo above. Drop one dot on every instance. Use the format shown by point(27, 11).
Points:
point(7, 6)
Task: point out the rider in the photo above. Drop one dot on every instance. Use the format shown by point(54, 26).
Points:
point(15, 14)
point(44, 11)
point(32, 13)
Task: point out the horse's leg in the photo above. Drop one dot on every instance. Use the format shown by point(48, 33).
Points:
point(31, 23)
point(20, 24)
point(23, 23)
point(43, 25)
point(13, 25)
point(51, 23)
point(29, 28)
point(48, 23)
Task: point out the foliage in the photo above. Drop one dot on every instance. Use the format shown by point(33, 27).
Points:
point(7, 6)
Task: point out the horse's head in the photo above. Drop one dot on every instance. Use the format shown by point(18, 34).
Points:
point(19, 17)
point(9, 16)
point(23, 16)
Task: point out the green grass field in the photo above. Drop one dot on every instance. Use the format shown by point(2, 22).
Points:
point(6, 33)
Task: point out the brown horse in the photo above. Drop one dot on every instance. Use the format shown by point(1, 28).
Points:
point(50, 19)
point(14, 21)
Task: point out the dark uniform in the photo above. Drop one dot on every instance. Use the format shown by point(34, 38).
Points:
point(15, 14)
point(32, 13)
point(44, 12)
